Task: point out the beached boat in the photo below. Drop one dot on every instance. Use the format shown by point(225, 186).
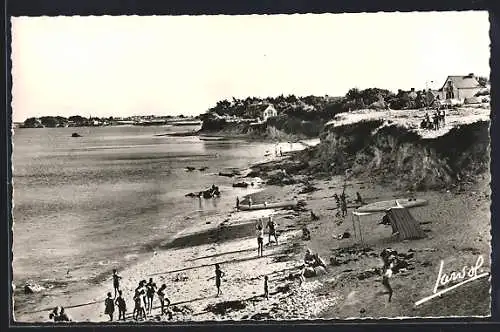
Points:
point(278, 205)
point(212, 138)
point(381, 206)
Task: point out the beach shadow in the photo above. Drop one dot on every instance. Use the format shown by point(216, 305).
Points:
point(212, 264)
point(229, 253)
point(222, 233)
point(65, 307)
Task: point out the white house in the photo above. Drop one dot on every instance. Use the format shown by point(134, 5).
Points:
point(269, 112)
point(460, 87)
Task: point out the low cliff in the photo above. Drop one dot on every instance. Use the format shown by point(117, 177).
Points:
point(391, 152)
point(279, 128)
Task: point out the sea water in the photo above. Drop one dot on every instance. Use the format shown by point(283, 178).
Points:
point(85, 205)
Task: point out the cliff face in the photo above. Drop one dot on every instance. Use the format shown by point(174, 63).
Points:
point(397, 155)
point(283, 127)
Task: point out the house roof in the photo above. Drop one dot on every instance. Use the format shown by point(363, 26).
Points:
point(265, 107)
point(463, 82)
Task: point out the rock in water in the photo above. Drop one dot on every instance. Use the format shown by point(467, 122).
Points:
point(76, 135)
point(32, 287)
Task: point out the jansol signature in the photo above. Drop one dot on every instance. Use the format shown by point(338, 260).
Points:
point(464, 275)
point(444, 279)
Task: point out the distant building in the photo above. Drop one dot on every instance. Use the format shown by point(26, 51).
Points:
point(269, 112)
point(460, 87)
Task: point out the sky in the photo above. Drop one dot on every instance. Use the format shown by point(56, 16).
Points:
point(170, 65)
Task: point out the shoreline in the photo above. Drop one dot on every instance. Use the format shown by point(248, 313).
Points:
point(144, 251)
point(346, 291)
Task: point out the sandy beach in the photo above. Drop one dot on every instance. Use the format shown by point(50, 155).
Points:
point(345, 291)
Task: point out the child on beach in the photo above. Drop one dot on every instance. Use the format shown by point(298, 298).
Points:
point(266, 288)
point(109, 307)
point(122, 306)
point(116, 281)
point(150, 293)
point(58, 315)
point(161, 296)
point(139, 306)
point(272, 229)
point(218, 278)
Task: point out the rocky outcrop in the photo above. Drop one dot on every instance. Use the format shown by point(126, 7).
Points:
point(31, 287)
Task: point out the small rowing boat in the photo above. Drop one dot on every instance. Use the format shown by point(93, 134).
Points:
point(277, 205)
point(381, 206)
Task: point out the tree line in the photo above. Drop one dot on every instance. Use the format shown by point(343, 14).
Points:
point(314, 108)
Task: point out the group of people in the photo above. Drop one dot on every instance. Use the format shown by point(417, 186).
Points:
point(271, 225)
point(144, 296)
point(313, 265)
point(143, 299)
point(59, 315)
point(438, 120)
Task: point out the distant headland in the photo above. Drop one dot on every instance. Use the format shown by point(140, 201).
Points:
point(80, 121)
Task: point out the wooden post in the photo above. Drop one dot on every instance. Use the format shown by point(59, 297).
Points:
point(353, 225)
point(360, 231)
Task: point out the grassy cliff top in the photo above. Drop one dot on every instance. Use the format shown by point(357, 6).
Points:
point(411, 119)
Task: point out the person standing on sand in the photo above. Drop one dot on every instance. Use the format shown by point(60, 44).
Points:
point(260, 240)
point(150, 293)
point(139, 306)
point(109, 307)
point(116, 282)
point(161, 296)
point(272, 229)
point(266, 287)
point(249, 202)
point(337, 201)
point(237, 203)
point(122, 306)
point(388, 259)
point(144, 293)
point(443, 118)
point(435, 119)
point(343, 206)
point(218, 278)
